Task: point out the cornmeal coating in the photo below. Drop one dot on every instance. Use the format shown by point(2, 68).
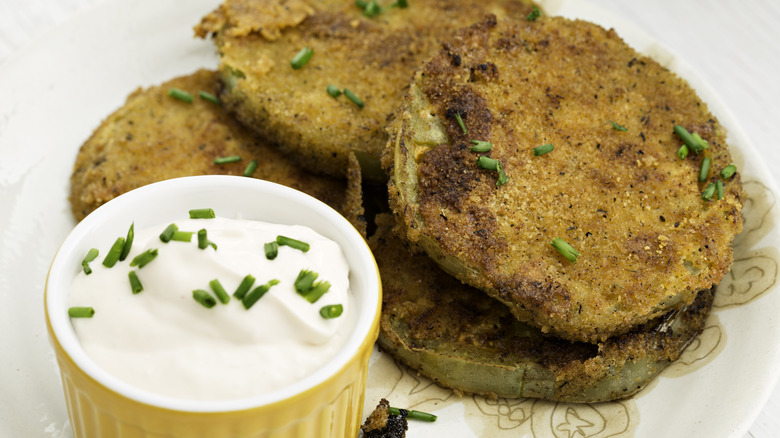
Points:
point(616, 192)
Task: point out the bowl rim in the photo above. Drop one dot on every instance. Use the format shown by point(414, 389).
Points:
point(65, 263)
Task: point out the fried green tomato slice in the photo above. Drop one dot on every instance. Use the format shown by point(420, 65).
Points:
point(641, 239)
point(370, 52)
point(155, 136)
point(465, 340)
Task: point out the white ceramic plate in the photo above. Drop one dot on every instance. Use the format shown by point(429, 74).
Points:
point(58, 90)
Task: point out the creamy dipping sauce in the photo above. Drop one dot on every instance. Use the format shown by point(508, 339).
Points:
point(164, 341)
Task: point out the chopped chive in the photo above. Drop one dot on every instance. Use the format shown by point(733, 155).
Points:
point(412, 414)
point(719, 189)
point(251, 298)
point(487, 163)
point(317, 291)
point(81, 312)
point(180, 94)
point(250, 168)
point(304, 281)
point(688, 139)
point(502, 178)
point(535, 13)
point(135, 283)
point(144, 258)
point(702, 142)
point(370, 8)
point(128, 243)
point(203, 240)
point(271, 250)
point(219, 291)
point(565, 249)
point(460, 122)
point(333, 90)
point(400, 4)
point(204, 298)
point(332, 311)
point(351, 96)
point(682, 152)
point(543, 149)
point(292, 243)
point(182, 236)
point(708, 192)
point(167, 234)
point(705, 169)
point(728, 171)
point(202, 213)
point(113, 254)
point(480, 146)
point(209, 97)
point(243, 288)
point(227, 159)
point(303, 56)
point(618, 127)
point(91, 255)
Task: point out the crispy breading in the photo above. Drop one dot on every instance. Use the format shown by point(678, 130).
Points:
point(463, 339)
point(154, 137)
point(618, 194)
point(373, 57)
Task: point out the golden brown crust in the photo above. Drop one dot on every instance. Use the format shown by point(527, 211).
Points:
point(465, 340)
point(621, 198)
point(153, 137)
point(372, 57)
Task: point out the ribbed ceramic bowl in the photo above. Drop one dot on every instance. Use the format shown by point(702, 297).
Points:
point(327, 403)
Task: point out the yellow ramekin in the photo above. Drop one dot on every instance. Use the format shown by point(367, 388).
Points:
point(327, 403)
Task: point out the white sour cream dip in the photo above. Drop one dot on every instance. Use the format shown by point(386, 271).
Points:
point(163, 341)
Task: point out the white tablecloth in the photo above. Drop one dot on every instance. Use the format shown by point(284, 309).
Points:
point(733, 44)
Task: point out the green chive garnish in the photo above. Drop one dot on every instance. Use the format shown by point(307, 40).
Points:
point(135, 283)
point(460, 122)
point(708, 192)
point(618, 127)
point(250, 168)
point(292, 243)
point(91, 255)
point(271, 250)
point(728, 171)
point(400, 4)
point(333, 90)
point(219, 291)
point(487, 163)
point(702, 142)
point(412, 414)
point(565, 249)
point(252, 297)
point(202, 213)
point(203, 240)
point(317, 291)
point(81, 312)
point(204, 298)
point(182, 236)
point(144, 258)
point(228, 159)
point(370, 8)
point(304, 281)
point(351, 96)
point(167, 234)
point(480, 146)
point(209, 97)
point(719, 189)
point(180, 94)
point(332, 311)
point(682, 152)
point(113, 254)
point(535, 13)
point(502, 178)
point(705, 169)
point(128, 243)
point(688, 139)
point(303, 56)
point(543, 149)
point(243, 288)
